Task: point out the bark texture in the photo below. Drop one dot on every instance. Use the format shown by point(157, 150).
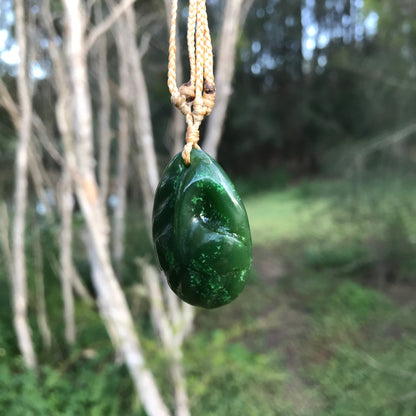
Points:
point(66, 189)
point(123, 146)
point(146, 157)
point(66, 274)
point(19, 281)
point(104, 112)
point(41, 312)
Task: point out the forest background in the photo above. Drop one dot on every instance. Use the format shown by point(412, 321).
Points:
point(314, 122)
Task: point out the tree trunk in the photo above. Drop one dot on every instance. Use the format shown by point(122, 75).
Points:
point(123, 147)
point(19, 283)
point(223, 75)
point(104, 112)
point(39, 178)
point(42, 316)
point(5, 240)
point(66, 191)
point(171, 335)
point(147, 165)
point(66, 205)
point(177, 124)
point(112, 303)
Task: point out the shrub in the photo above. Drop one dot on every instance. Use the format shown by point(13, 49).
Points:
point(227, 379)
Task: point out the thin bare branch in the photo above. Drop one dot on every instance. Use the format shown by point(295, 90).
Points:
point(76, 280)
point(5, 240)
point(66, 208)
point(44, 139)
point(223, 75)
point(80, 288)
point(389, 140)
point(41, 312)
point(107, 23)
point(125, 98)
point(175, 131)
point(104, 111)
point(146, 160)
point(169, 334)
point(379, 143)
point(9, 104)
point(398, 372)
point(402, 398)
point(244, 11)
point(39, 177)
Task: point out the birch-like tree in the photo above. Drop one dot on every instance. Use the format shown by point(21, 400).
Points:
point(112, 303)
point(19, 277)
point(234, 16)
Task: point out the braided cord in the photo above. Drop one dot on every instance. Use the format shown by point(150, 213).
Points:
point(172, 50)
point(195, 98)
point(192, 12)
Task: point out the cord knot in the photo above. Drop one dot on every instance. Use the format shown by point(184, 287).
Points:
point(192, 138)
point(199, 110)
point(179, 101)
point(195, 98)
point(188, 91)
point(209, 97)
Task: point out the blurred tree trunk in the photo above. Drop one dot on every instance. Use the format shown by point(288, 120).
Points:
point(66, 192)
point(104, 111)
point(142, 122)
point(39, 177)
point(224, 73)
point(42, 316)
point(19, 281)
point(111, 300)
point(66, 205)
point(5, 240)
point(171, 336)
point(177, 124)
point(123, 146)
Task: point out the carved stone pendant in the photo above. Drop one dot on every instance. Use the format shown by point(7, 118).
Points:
point(201, 232)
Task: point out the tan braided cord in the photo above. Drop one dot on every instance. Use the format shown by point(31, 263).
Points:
point(195, 98)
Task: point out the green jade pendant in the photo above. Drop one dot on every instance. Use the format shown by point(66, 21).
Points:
point(201, 232)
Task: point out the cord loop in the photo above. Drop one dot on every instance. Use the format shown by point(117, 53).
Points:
point(195, 98)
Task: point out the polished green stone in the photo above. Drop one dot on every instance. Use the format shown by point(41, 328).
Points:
point(201, 232)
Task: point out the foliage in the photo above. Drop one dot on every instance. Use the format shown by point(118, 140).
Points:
point(227, 379)
point(347, 226)
point(339, 314)
point(361, 353)
point(92, 387)
point(380, 383)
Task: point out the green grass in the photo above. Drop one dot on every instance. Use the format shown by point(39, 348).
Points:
point(292, 215)
point(330, 211)
point(334, 223)
point(371, 381)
